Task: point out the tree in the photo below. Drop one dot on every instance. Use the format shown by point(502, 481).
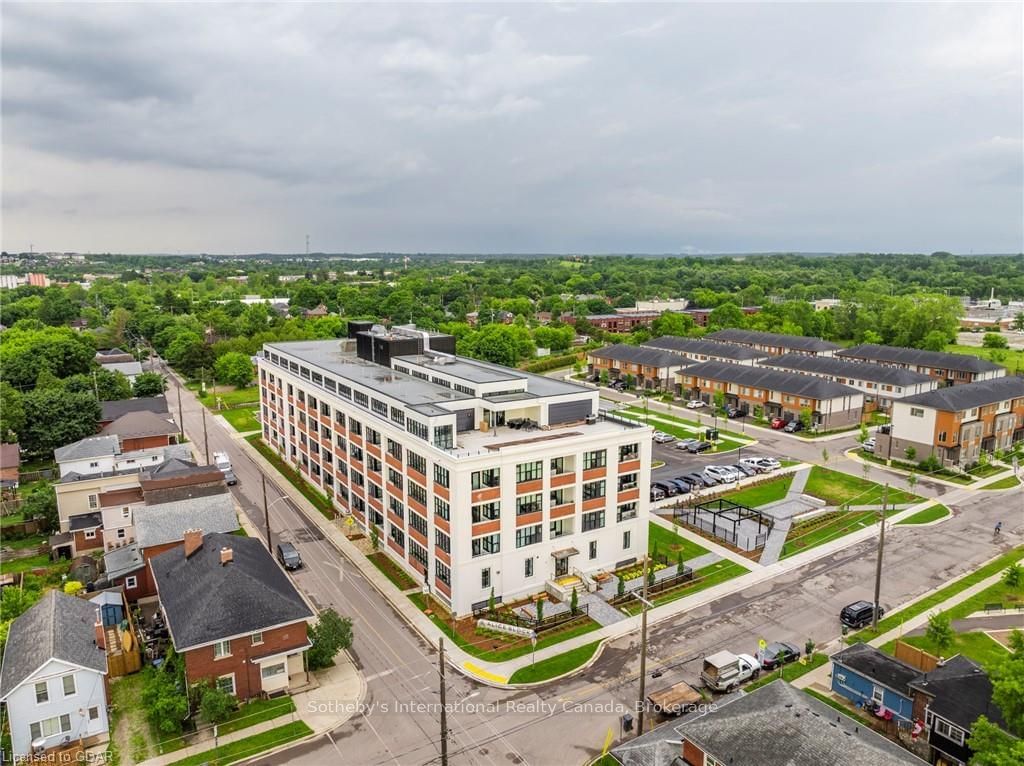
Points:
point(234, 369)
point(603, 378)
point(991, 746)
point(650, 573)
point(620, 590)
point(27, 350)
point(940, 631)
point(56, 308)
point(1018, 321)
point(215, 703)
point(862, 436)
point(936, 340)
point(46, 379)
point(490, 601)
point(574, 602)
point(672, 323)
point(719, 399)
point(1007, 678)
point(726, 315)
point(374, 538)
point(994, 340)
point(910, 453)
point(58, 417)
point(149, 384)
point(41, 503)
point(163, 696)
point(12, 413)
point(330, 635)
point(806, 418)
point(824, 455)
point(109, 385)
point(1014, 575)
point(189, 353)
point(540, 609)
point(912, 480)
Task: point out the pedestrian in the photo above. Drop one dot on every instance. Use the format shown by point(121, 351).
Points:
point(999, 528)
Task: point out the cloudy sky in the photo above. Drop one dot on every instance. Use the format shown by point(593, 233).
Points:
point(512, 128)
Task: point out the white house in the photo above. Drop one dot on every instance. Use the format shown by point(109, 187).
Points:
point(54, 677)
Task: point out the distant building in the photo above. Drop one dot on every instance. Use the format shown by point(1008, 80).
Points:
point(10, 281)
point(651, 368)
point(10, 465)
point(774, 343)
point(948, 369)
point(316, 313)
point(671, 304)
point(700, 350)
point(701, 317)
point(624, 322)
point(37, 280)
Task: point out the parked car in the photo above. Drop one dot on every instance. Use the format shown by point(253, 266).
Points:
point(754, 464)
point(793, 426)
point(289, 556)
point(884, 429)
point(657, 493)
point(869, 445)
point(670, 490)
point(778, 653)
point(858, 614)
point(682, 486)
point(724, 671)
point(694, 404)
point(746, 470)
point(230, 478)
point(721, 473)
point(663, 438)
point(685, 443)
point(735, 412)
point(695, 480)
point(778, 423)
point(699, 447)
point(709, 479)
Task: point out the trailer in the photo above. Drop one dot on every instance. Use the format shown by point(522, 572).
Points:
point(674, 700)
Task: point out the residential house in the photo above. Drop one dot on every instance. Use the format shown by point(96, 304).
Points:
point(142, 430)
point(650, 368)
point(774, 392)
point(701, 317)
point(544, 317)
point(54, 677)
point(658, 304)
point(111, 411)
point(948, 369)
point(865, 675)
point(880, 384)
point(774, 343)
point(79, 324)
point(159, 528)
point(700, 350)
point(10, 465)
point(627, 321)
point(315, 313)
point(957, 423)
point(234, 616)
point(107, 356)
point(775, 725)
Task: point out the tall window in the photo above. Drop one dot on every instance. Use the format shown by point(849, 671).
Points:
point(629, 452)
point(593, 489)
point(442, 541)
point(528, 567)
point(221, 649)
point(441, 476)
point(627, 481)
point(593, 520)
point(442, 509)
point(529, 471)
point(418, 523)
point(528, 504)
point(442, 572)
point(626, 511)
point(486, 512)
point(490, 477)
point(558, 466)
point(417, 493)
point(487, 544)
point(416, 462)
point(394, 449)
point(595, 459)
point(443, 437)
point(417, 429)
point(395, 478)
point(528, 535)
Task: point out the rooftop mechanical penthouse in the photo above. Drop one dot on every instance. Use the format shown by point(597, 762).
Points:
point(476, 476)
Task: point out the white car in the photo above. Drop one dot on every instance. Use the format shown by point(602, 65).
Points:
point(694, 404)
point(764, 464)
point(869, 445)
point(721, 474)
point(663, 438)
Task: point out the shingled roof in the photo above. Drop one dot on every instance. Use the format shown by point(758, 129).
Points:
point(649, 357)
point(168, 522)
point(58, 627)
point(939, 360)
point(970, 395)
point(114, 410)
point(135, 425)
point(756, 337)
point(878, 666)
point(206, 601)
point(848, 368)
point(704, 347)
point(773, 380)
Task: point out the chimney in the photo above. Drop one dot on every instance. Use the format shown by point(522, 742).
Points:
point(193, 541)
point(226, 556)
point(97, 626)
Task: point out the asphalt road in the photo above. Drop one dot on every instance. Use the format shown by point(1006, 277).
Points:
point(567, 722)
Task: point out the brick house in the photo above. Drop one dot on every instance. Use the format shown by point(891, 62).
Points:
point(111, 411)
point(774, 343)
point(142, 430)
point(651, 368)
point(624, 322)
point(10, 465)
point(233, 614)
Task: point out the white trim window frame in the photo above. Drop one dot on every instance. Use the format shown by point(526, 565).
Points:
point(224, 687)
point(222, 649)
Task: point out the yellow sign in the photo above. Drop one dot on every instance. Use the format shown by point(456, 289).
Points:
point(349, 521)
point(762, 644)
point(607, 742)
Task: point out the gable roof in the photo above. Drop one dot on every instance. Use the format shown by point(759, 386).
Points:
point(206, 601)
point(774, 380)
point(970, 395)
point(917, 356)
point(114, 410)
point(58, 627)
point(649, 357)
point(89, 447)
point(775, 725)
point(847, 368)
point(167, 522)
point(125, 368)
point(756, 337)
point(876, 665)
point(704, 347)
point(962, 692)
point(133, 425)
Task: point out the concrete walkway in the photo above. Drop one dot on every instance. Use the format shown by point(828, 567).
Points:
point(600, 610)
point(784, 522)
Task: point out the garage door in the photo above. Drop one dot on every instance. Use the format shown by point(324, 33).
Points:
point(568, 412)
point(464, 420)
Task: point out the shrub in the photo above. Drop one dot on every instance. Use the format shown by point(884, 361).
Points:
point(1014, 575)
point(331, 634)
point(940, 631)
point(72, 587)
point(215, 704)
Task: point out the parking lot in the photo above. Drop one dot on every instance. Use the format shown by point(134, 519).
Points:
point(678, 462)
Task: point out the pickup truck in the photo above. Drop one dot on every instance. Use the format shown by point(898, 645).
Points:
point(673, 700)
point(724, 671)
point(222, 461)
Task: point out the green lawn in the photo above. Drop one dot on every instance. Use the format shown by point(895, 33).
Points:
point(18, 544)
point(229, 399)
point(978, 646)
point(837, 488)
point(681, 430)
point(670, 544)
point(1004, 483)
point(311, 493)
point(703, 578)
point(768, 492)
point(248, 747)
point(822, 529)
point(257, 711)
point(789, 672)
point(1012, 359)
point(931, 513)
point(42, 561)
point(929, 602)
point(12, 518)
point(399, 577)
point(242, 419)
point(554, 666)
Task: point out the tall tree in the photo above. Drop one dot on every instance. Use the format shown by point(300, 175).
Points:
point(59, 417)
point(12, 413)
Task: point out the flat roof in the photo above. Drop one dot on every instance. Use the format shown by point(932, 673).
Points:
point(457, 367)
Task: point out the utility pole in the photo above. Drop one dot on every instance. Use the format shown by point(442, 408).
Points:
point(640, 703)
point(206, 440)
point(181, 415)
point(266, 511)
point(878, 562)
point(95, 385)
point(444, 711)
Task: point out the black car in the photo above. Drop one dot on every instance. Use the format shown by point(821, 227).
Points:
point(683, 486)
point(670, 489)
point(735, 412)
point(793, 426)
point(858, 614)
point(778, 653)
point(289, 556)
point(746, 470)
point(884, 429)
point(694, 480)
point(699, 447)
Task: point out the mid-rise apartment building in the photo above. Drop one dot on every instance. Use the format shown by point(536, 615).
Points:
point(478, 478)
point(957, 423)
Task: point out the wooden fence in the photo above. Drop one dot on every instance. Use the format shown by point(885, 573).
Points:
point(919, 658)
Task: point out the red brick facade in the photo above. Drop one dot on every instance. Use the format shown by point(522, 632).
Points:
point(84, 544)
point(200, 664)
point(129, 444)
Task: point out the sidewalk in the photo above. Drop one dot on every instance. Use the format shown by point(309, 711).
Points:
point(820, 676)
point(337, 695)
